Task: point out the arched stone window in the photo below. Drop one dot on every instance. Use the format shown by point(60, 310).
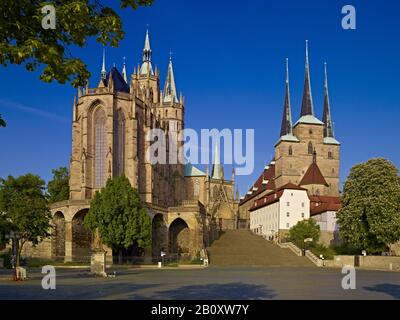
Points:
point(290, 151)
point(330, 155)
point(310, 148)
point(119, 143)
point(100, 148)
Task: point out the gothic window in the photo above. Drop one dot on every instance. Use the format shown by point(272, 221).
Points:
point(310, 148)
point(100, 148)
point(119, 143)
point(290, 151)
point(196, 191)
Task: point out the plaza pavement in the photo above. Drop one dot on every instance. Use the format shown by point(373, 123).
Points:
point(205, 283)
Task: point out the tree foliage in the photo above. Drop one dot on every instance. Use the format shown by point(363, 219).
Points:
point(24, 208)
point(370, 216)
point(2, 122)
point(58, 188)
point(303, 230)
point(119, 216)
point(25, 41)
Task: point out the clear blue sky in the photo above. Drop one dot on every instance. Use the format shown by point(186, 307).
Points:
point(229, 63)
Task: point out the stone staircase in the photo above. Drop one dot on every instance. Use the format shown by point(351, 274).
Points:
point(243, 248)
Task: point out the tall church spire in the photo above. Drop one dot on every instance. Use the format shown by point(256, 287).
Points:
point(103, 68)
point(286, 127)
point(170, 94)
point(326, 117)
point(307, 107)
point(216, 172)
point(146, 68)
point(124, 71)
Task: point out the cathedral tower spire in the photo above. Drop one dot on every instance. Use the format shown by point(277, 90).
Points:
point(286, 127)
point(326, 117)
point(146, 68)
point(124, 71)
point(217, 167)
point(307, 107)
point(103, 68)
point(170, 94)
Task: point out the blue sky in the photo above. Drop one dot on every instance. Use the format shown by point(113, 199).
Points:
point(229, 63)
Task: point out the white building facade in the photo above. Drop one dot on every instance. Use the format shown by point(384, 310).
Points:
point(274, 214)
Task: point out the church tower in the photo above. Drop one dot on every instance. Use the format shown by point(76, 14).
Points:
point(308, 151)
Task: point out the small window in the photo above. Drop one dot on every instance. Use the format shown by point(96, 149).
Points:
point(290, 151)
point(302, 214)
point(333, 170)
point(288, 204)
point(288, 214)
point(310, 132)
point(330, 155)
point(291, 194)
point(288, 225)
point(310, 148)
point(302, 204)
point(166, 113)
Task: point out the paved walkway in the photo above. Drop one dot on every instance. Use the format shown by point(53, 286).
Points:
point(228, 283)
point(243, 248)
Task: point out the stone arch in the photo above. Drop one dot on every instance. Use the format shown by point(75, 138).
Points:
point(159, 235)
point(58, 236)
point(81, 238)
point(179, 237)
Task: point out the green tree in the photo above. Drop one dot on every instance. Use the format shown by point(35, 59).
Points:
point(118, 215)
point(370, 216)
point(24, 206)
point(58, 188)
point(305, 229)
point(2, 122)
point(25, 41)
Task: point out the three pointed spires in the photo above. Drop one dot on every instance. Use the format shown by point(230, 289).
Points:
point(307, 107)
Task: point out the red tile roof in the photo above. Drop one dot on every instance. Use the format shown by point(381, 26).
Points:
point(267, 174)
point(319, 204)
point(274, 196)
point(313, 175)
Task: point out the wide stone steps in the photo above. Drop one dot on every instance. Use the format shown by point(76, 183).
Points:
point(243, 248)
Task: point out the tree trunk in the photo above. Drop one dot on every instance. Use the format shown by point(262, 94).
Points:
point(120, 256)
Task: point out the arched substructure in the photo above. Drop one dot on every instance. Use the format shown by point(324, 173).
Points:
point(180, 240)
point(81, 238)
point(159, 236)
point(58, 236)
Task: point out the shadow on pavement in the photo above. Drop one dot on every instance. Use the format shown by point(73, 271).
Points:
point(227, 291)
point(390, 289)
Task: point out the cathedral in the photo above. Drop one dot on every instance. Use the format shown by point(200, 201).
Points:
point(188, 207)
point(307, 157)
